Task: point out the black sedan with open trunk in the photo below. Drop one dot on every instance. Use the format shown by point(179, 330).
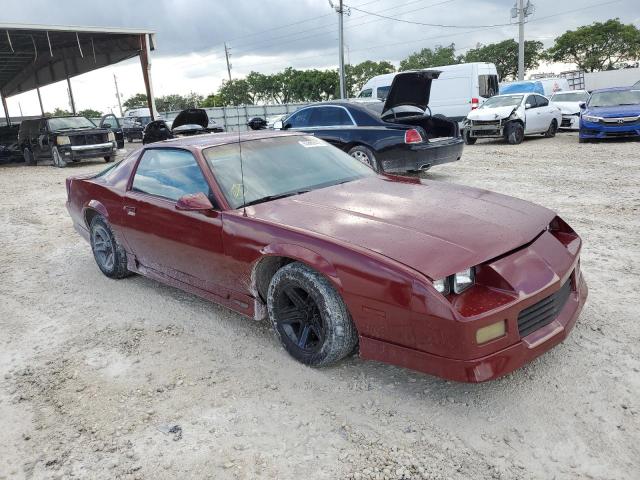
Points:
point(398, 136)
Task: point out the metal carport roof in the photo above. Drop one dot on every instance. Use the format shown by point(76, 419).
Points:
point(32, 56)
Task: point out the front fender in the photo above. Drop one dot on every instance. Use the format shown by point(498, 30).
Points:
point(304, 255)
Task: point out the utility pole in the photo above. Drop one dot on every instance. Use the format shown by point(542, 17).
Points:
point(339, 8)
point(115, 80)
point(521, 11)
point(226, 54)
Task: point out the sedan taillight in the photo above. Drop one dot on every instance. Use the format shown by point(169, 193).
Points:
point(412, 136)
point(475, 103)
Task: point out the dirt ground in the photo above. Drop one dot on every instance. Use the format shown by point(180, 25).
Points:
point(132, 379)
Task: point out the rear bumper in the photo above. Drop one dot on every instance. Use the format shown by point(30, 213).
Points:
point(422, 156)
point(489, 367)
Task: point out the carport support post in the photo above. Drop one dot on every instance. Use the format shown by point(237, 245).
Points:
point(6, 110)
point(145, 62)
point(40, 100)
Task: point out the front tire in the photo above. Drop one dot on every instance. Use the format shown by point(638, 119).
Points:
point(468, 139)
point(28, 157)
point(107, 252)
point(57, 159)
point(514, 133)
point(365, 155)
point(309, 316)
point(553, 128)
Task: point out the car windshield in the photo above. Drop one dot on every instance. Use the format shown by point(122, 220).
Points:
point(502, 101)
point(277, 167)
point(68, 123)
point(570, 97)
point(615, 98)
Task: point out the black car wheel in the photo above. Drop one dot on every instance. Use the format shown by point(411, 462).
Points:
point(468, 139)
point(109, 255)
point(514, 133)
point(365, 155)
point(28, 156)
point(553, 128)
point(309, 316)
point(57, 159)
point(108, 158)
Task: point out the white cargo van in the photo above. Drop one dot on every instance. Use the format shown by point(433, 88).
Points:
point(459, 89)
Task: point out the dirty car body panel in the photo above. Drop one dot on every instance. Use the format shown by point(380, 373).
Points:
point(382, 242)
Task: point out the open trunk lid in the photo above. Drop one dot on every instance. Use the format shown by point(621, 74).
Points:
point(410, 89)
point(191, 116)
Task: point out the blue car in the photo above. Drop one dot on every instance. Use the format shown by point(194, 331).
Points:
point(610, 112)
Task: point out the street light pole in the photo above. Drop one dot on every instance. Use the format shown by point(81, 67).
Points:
point(343, 89)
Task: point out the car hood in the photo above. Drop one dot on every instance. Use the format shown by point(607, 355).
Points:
point(81, 131)
point(568, 108)
point(410, 88)
point(490, 113)
point(617, 111)
point(432, 227)
point(191, 116)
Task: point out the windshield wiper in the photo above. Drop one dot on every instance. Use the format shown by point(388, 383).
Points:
point(268, 198)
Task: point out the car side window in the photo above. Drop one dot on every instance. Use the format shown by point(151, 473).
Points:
point(329, 117)
point(366, 93)
point(299, 119)
point(383, 92)
point(169, 173)
point(531, 100)
point(542, 101)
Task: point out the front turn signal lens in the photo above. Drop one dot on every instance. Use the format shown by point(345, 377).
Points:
point(491, 332)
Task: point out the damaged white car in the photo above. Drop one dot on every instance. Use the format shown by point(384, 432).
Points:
point(512, 117)
point(569, 105)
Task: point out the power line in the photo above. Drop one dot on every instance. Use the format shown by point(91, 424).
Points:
point(426, 24)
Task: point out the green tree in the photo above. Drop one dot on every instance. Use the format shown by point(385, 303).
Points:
point(357, 75)
point(139, 100)
point(599, 46)
point(90, 113)
point(235, 92)
point(426, 58)
point(174, 101)
point(60, 112)
point(211, 100)
point(505, 56)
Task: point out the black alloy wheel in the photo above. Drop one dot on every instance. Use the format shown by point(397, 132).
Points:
point(299, 318)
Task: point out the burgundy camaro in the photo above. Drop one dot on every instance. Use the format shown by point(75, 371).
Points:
point(452, 281)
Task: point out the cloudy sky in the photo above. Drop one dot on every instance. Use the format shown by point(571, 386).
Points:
point(269, 35)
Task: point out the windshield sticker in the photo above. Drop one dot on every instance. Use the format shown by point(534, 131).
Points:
point(236, 190)
point(312, 142)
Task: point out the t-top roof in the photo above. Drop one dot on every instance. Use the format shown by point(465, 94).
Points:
point(37, 55)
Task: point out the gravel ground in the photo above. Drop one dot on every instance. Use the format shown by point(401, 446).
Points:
point(132, 379)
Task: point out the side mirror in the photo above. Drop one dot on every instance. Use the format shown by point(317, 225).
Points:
point(278, 125)
point(527, 106)
point(195, 202)
point(582, 105)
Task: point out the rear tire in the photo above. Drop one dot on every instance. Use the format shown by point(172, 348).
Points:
point(57, 159)
point(553, 128)
point(28, 157)
point(514, 133)
point(365, 155)
point(108, 158)
point(468, 139)
point(107, 252)
point(309, 316)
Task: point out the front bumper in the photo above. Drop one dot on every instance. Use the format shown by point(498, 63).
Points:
point(541, 294)
point(570, 122)
point(609, 129)
point(485, 129)
point(78, 152)
point(491, 366)
point(422, 156)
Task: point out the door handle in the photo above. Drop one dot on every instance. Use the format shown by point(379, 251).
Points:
point(130, 210)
